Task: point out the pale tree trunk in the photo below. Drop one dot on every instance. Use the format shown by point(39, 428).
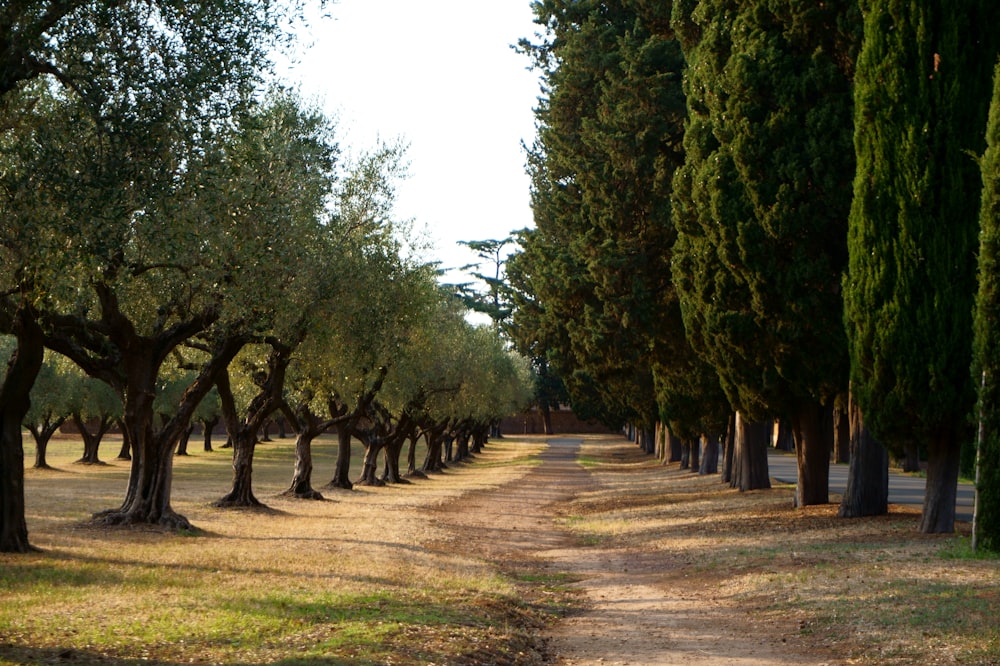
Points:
point(867, 492)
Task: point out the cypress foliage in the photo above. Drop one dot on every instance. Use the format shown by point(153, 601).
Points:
point(608, 141)
point(986, 368)
point(921, 92)
point(761, 206)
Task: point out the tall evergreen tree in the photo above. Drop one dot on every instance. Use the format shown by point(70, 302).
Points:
point(986, 367)
point(609, 139)
point(760, 207)
point(921, 94)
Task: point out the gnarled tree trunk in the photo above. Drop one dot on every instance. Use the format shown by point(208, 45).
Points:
point(91, 440)
point(709, 455)
point(15, 401)
point(42, 433)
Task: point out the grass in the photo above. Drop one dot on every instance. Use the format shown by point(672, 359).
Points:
point(355, 579)
point(865, 591)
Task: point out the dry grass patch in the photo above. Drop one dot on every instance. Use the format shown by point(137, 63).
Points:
point(342, 581)
point(867, 591)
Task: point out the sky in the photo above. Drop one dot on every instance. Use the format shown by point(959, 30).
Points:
point(442, 76)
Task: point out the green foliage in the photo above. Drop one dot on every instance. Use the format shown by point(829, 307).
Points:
point(921, 100)
point(986, 343)
point(597, 265)
point(761, 200)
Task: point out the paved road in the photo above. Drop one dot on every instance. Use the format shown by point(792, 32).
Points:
point(903, 488)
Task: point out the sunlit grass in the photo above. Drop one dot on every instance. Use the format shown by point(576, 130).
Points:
point(354, 579)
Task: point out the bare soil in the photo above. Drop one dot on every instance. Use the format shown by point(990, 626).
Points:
point(672, 568)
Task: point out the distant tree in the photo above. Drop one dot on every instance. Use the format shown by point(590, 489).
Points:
point(922, 92)
point(50, 405)
point(95, 409)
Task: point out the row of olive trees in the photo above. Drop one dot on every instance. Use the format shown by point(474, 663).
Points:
point(167, 214)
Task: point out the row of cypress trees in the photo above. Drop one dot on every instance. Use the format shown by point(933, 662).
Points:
point(806, 224)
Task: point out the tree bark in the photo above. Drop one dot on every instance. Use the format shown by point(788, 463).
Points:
point(373, 445)
point(812, 454)
point(91, 440)
point(209, 425)
point(342, 471)
point(943, 462)
point(42, 433)
point(182, 441)
point(710, 455)
point(241, 494)
point(750, 471)
point(301, 486)
point(22, 369)
point(867, 492)
point(728, 449)
point(842, 437)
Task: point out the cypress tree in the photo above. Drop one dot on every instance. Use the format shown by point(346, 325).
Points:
point(761, 205)
point(986, 369)
point(921, 92)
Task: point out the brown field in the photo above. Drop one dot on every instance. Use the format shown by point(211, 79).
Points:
point(520, 556)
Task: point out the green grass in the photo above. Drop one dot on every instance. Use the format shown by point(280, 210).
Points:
point(356, 579)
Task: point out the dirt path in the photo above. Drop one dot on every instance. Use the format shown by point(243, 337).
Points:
point(631, 614)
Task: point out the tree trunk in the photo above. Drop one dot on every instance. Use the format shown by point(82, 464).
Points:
point(91, 440)
point(411, 458)
point(341, 474)
point(182, 442)
point(695, 454)
point(147, 496)
point(784, 437)
point(911, 457)
point(369, 477)
point(209, 426)
point(676, 448)
point(943, 462)
point(449, 450)
point(22, 369)
point(125, 452)
point(302, 476)
point(42, 434)
point(729, 447)
point(750, 471)
point(432, 460)
point(710, 455)
point(241, 495)
point(842, 438)
point(393, 450)
point(462, 448)
point(812, 453)
point(867, 492)
point(547, 419)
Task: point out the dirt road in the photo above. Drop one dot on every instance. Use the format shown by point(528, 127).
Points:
point(630, 615)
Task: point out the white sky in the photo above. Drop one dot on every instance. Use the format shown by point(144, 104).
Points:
point(441, 75)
